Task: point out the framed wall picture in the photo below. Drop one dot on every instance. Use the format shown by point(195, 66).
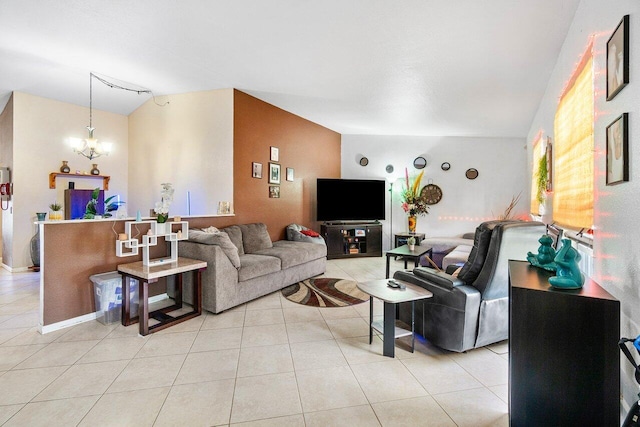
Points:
point(274, 191)
point(274, 173)
point(275, 154)
point(618, 59)
point(256, 170)
point(618, 150)
point(289, 174)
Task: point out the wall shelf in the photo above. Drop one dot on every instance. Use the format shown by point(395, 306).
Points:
point(53, 175)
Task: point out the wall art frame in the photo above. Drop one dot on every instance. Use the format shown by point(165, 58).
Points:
point(256, 170)
point(618, 59)
point(290, 174)
point(274, 173)
point(618, 150)
point(274, 191)
point(274, 154)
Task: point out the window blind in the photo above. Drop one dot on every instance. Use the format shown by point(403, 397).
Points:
point(574, 146)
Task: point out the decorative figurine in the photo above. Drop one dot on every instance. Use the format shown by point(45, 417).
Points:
point(568, 275)
point(546, 254)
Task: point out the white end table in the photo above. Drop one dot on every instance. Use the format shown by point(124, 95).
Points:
point(392, 296)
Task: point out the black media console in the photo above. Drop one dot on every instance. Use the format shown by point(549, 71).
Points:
point(352, 239)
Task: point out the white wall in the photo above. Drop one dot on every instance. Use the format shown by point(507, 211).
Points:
point(501, 163)
point(41, 131)
point(616, 232)
point(189, 143)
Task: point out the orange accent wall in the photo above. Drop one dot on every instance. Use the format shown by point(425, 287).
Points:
point(311, 150)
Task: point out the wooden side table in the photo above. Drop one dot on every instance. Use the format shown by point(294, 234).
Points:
point(145, 275)
point(406, 254)
point(391, 297)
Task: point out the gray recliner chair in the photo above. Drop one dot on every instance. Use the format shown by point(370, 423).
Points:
point(472, 309)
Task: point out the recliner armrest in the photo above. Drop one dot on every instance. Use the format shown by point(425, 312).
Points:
point(439, 278)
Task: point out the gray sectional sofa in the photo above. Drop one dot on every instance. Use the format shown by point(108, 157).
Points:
point(244, 264)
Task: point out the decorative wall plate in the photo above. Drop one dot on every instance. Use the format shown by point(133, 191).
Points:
point(471, 173)
point(445, 166)
point(420, 162)
point(389, 168)
point(364, 161)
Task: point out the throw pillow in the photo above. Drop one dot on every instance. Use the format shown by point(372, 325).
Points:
point(310, 233)
point(211, 230)
point(219, 239)
point(255, 237)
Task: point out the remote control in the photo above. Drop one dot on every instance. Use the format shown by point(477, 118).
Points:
point(394, 284)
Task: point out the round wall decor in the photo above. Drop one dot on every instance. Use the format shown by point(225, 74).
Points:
point(445, 166)
point(420, 162)
point(431, 194)
point(389, 168)
point(471, 173)
point(364, 161)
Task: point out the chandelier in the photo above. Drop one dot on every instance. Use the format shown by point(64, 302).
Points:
point(90, 147)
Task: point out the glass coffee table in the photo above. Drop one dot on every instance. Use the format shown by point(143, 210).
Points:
point(392, 296)
point(407, 254)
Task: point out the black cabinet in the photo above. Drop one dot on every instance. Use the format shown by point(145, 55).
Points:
point(352, 239)
point(564, 360)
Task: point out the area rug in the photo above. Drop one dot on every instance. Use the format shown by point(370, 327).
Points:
point(325, 292)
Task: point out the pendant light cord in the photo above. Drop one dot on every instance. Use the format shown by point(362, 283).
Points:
point(117, 86)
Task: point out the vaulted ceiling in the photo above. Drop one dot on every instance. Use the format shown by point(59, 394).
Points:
point(410, 67)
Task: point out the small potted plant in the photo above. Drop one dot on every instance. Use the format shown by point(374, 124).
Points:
point(411, 241)
point(56, 211)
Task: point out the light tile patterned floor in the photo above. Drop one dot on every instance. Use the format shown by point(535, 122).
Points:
point(270, 362)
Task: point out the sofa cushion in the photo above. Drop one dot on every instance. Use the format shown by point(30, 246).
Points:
point(294, 253)
point(253, 266)
point(459, 255)
point(219, 239)
point(439, 278)
point(255, 237)
point(235, 234)
point(445, 244)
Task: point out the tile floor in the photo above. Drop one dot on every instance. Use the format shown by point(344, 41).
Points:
point(270, 362)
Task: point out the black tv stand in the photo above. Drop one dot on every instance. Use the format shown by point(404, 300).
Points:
point(347, 239)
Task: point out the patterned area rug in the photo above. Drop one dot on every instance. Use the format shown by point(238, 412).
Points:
point(325, 292)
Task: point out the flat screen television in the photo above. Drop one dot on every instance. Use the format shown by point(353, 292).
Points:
point(350, 199)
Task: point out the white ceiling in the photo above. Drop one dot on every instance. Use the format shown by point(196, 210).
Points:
point(395, 67)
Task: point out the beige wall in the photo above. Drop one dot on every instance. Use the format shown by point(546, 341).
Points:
point(6, 160)
point(189, 143)
point(41, 128)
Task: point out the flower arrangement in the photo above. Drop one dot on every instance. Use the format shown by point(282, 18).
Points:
point(162, 207)
point(412, 204)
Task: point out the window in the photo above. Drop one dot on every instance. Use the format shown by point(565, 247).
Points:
point(574, 145)
point(538, 152)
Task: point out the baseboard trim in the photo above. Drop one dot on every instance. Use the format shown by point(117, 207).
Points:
point(45, 329)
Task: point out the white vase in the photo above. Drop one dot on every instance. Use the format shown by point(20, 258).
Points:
point(161, 228)
point(412, 247)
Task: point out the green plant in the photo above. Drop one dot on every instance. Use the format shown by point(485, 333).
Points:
point(55, 206)
point(542, 178)
point(411, 241)
point(91, 210)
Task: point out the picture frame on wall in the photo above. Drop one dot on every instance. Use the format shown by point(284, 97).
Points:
point(275, 154)
point(256, 170)
point(274, 173)
point(290, 174)
point(618, 150)
point(274, 192)
point(618, 59)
